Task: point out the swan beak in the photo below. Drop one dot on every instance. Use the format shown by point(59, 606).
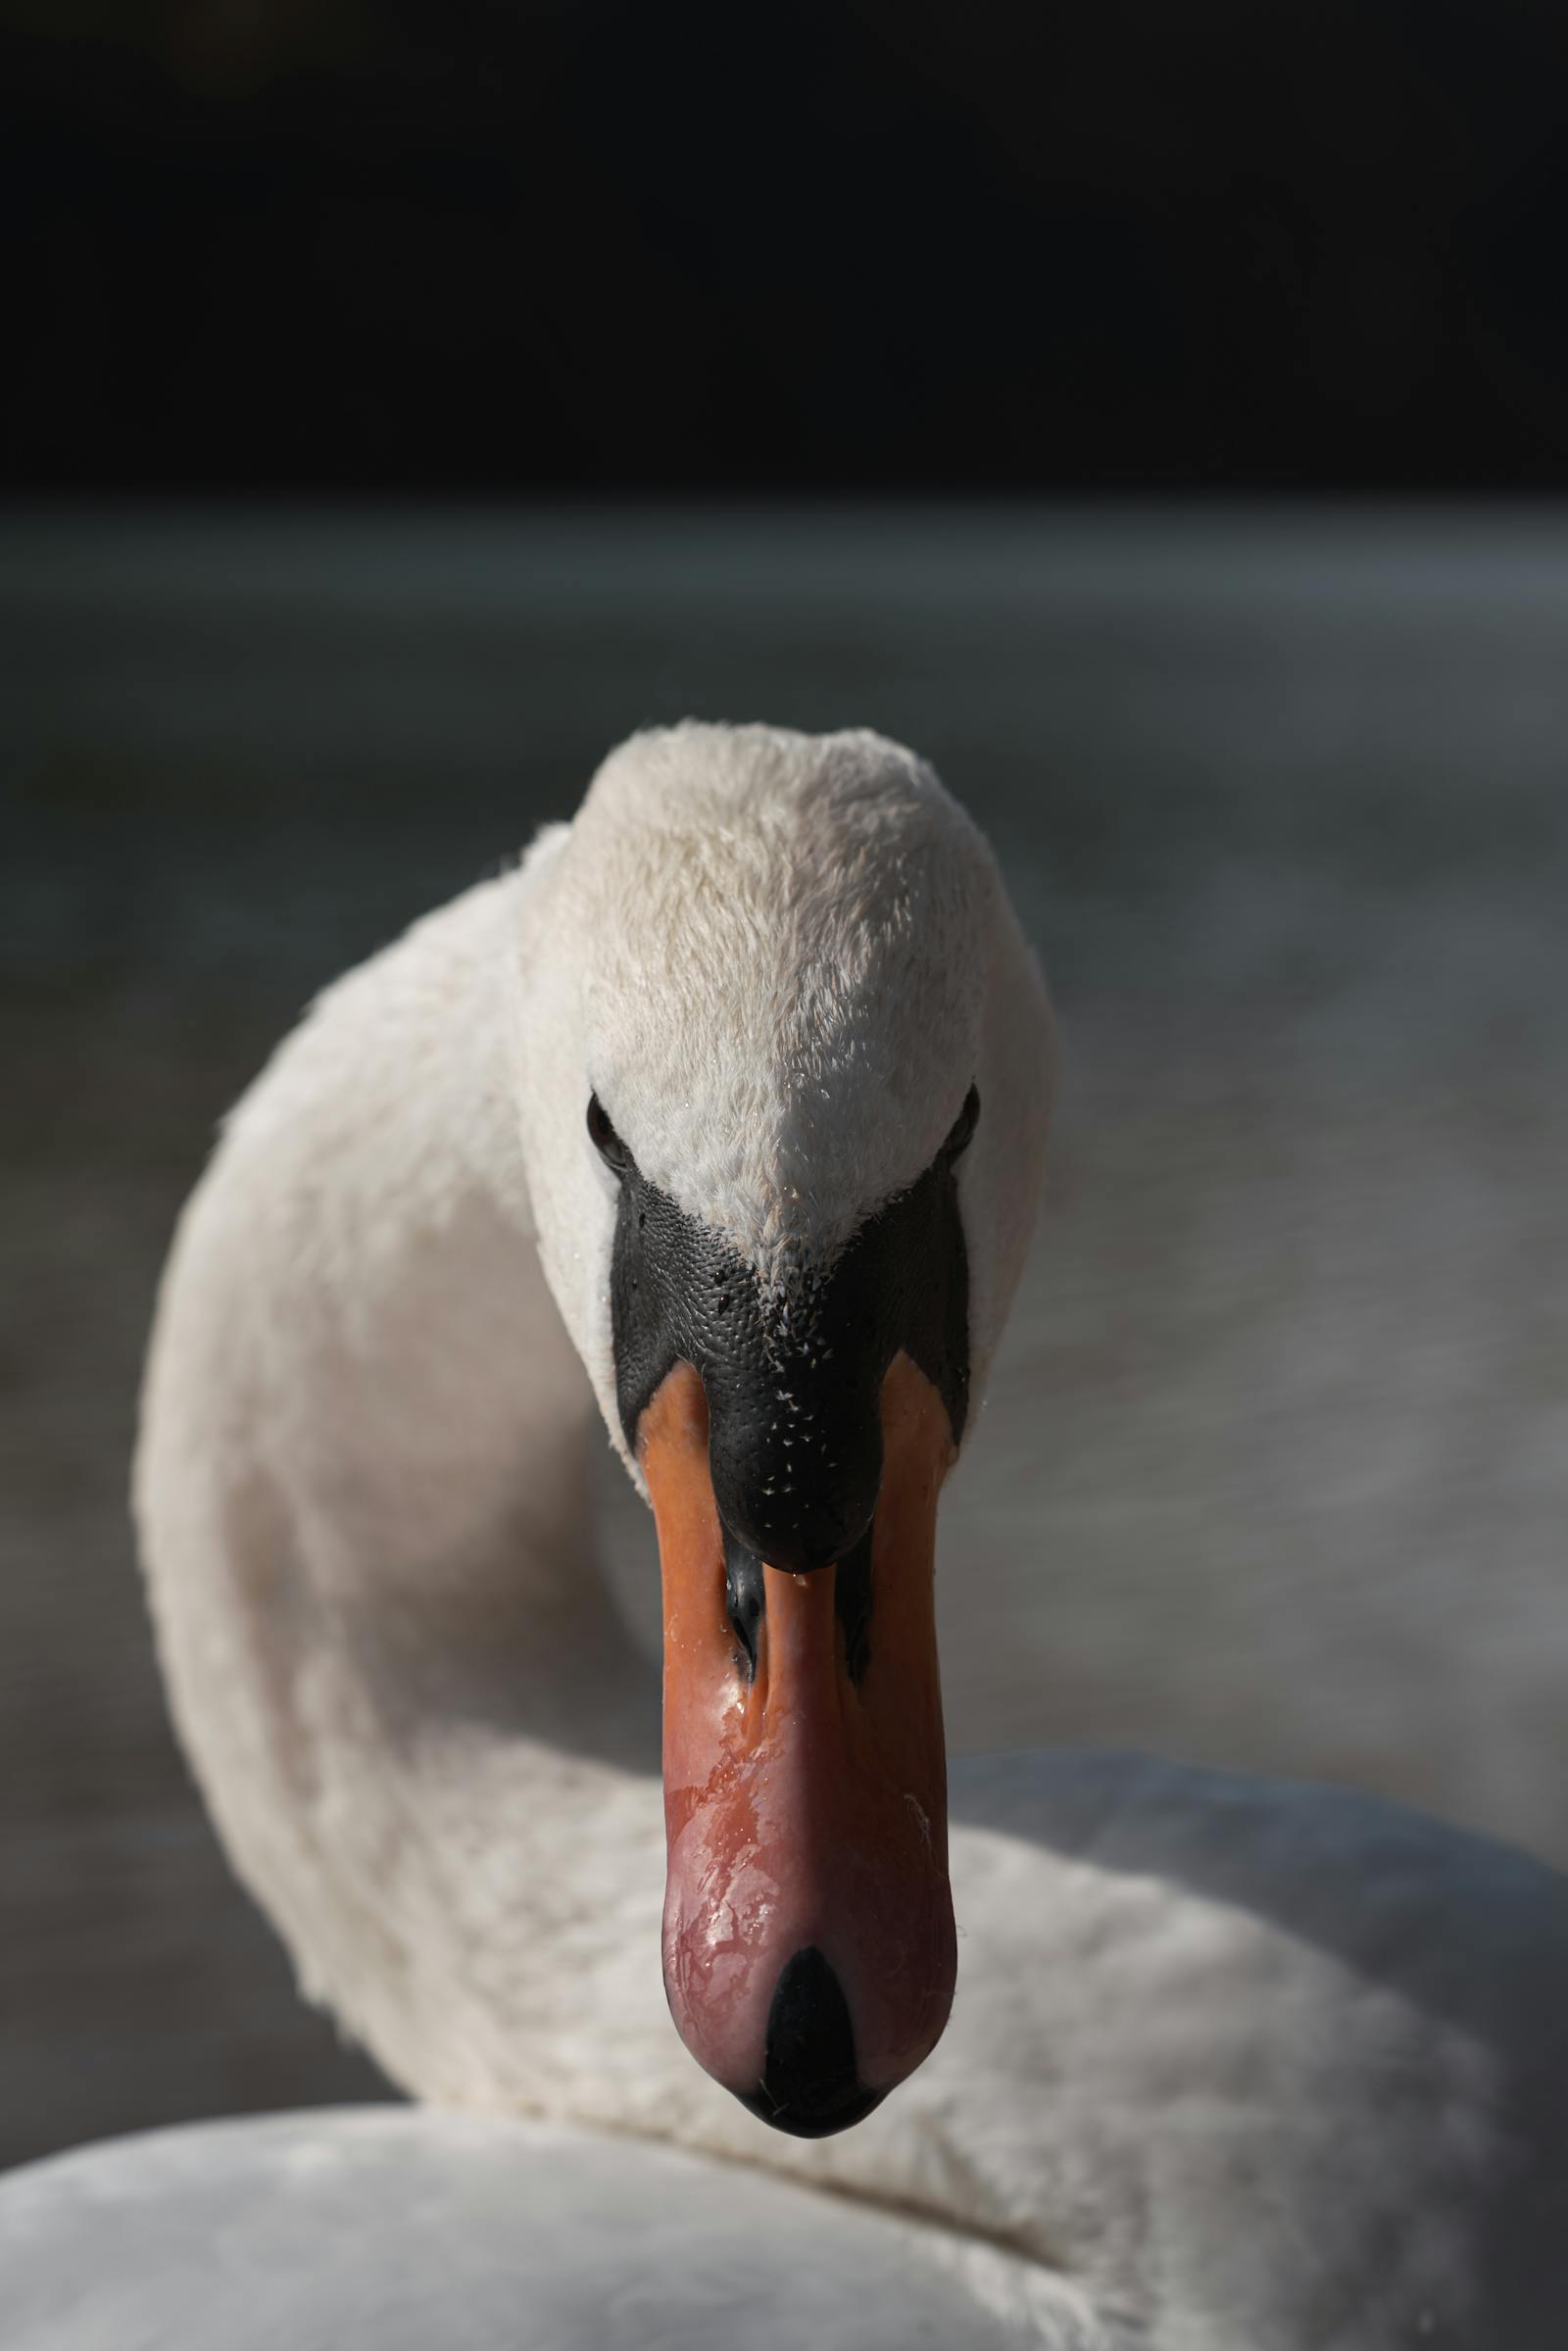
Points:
point(809, 1938)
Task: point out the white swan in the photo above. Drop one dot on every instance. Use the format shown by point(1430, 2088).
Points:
point(1229, 2065)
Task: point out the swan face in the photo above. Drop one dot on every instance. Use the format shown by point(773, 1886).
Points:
point(787, 1087)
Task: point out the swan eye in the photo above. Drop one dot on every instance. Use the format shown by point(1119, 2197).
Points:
point(964, 1125)
point(604, 1138)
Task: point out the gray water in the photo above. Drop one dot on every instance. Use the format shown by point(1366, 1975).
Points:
point(1274, 1467)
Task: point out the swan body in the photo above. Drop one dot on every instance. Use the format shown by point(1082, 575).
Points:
point(424, 2232)
point(1229, 2065)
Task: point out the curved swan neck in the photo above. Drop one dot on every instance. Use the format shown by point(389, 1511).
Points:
point(362, 1491)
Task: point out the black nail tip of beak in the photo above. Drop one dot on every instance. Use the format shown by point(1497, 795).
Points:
point(817, 2122)
point(810, 2085)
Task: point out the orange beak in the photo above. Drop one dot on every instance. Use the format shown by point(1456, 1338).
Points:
point(809, 1938)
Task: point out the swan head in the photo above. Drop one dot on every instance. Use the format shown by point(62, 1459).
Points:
point(788, 1077)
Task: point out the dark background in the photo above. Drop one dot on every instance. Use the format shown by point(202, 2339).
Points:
point(527, 246)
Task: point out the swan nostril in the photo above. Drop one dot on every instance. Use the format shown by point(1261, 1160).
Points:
point(851, 1599)
point(746, 1602)
point(811, 2083)
point(743, 1595)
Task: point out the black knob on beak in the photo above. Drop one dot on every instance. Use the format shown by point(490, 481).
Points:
point(797, 1485)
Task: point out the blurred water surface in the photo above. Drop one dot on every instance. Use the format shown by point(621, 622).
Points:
point(1274, 1467)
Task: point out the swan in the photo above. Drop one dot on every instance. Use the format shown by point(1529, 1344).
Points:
point(718, 1124)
